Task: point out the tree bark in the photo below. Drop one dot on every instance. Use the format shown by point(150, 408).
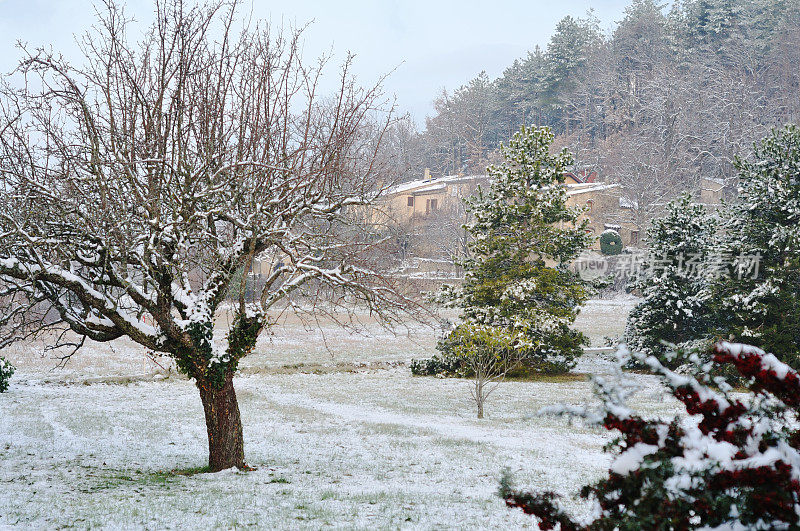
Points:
point(479, 398)
point(224, 425)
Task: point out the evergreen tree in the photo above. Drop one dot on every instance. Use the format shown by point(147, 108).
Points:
point(517, 280)
point(762, 291)
point(673, 285)
point(567, 54)
point(519, 95)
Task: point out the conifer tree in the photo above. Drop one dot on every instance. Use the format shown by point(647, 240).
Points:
point(524, 235)
point(674, 282)
point(762, 291)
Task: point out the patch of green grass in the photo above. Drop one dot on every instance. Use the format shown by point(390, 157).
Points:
point(111, 481)
point(549, 378)
point(114, 479)
point(278, 480)
point(171, 474)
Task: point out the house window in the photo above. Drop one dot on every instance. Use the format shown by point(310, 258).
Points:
point(634, 237)
point(411, 200)
point(430, 205)
point(590, 205)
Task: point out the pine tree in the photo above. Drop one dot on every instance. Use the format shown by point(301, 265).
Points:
point(524, 235)
point(567, 54)
point(762, 291)
point(673, 284)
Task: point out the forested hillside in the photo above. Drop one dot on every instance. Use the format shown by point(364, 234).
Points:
point(667, 97)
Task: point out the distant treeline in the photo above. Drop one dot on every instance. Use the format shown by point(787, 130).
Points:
point(672, 94)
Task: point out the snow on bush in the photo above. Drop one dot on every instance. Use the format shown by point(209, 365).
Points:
point(732, 463)
point(6, 371)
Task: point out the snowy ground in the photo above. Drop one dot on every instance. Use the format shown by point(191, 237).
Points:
point(340, 437)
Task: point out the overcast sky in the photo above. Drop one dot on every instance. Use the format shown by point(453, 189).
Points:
point(433, 44)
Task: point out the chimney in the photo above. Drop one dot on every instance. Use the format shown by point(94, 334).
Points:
point(427, 176)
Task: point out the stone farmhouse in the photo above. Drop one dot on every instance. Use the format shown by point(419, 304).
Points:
point(428, 215)
point(425, 202)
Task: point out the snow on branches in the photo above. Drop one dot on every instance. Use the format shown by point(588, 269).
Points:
point(174, 165)
point(763, 309)
point(675, 305)
point(140, 189)
point(731, 463)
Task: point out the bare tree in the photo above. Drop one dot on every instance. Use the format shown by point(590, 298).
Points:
point(138, 185)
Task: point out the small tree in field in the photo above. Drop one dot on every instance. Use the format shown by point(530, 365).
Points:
point(674, 287)
point(734, 465)
point(137, 187)
point(524, 235)
point(487, 355)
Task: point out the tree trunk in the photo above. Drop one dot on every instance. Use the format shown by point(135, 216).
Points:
point(479, 398)
point(224, 425)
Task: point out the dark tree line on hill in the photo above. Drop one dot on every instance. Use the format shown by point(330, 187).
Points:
point(669, 96)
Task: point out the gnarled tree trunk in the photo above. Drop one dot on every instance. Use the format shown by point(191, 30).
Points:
point(224, 425)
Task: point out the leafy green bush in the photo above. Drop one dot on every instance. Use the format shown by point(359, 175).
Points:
point(610, 242)
point(6, 371)
point(490, 353)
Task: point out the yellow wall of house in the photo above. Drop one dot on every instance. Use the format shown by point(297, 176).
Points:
point(603, 208)
point(448, 198)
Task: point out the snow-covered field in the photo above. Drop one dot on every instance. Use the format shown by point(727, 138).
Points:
point(341, 436)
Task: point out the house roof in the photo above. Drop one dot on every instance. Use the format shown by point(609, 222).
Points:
point(428, 189)
point(428, 185)
point(583, 176)
point(423, 186)
point(584, 188)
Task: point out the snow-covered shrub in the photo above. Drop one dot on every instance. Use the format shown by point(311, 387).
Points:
point(610, 242)
point(6, 371)
point(674, 283)
point(733, 463)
